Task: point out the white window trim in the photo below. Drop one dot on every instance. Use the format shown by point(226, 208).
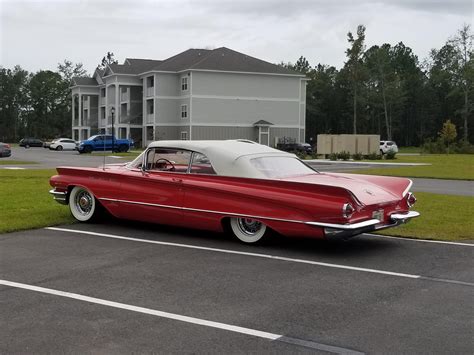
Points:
point(185, 111)
point(185, 135)
point(185, 82)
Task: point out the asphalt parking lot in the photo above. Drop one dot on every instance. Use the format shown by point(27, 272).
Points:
point(121, 287)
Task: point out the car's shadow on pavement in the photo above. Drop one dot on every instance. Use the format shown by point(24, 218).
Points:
point(273, 244)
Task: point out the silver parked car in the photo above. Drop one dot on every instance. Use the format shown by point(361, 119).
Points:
point(388, 146)
point(5, 150)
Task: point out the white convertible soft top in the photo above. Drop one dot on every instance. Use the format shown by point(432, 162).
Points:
point(228, 157)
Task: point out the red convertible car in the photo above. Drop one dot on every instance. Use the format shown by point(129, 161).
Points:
point(247, 187)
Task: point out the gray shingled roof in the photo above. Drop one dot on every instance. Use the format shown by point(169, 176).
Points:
point(182, 60)
point(143, 62)
point(84, 81)
point(134, 66)
point(224, 59)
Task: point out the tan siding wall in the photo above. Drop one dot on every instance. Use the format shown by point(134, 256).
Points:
point(167, 84)
point(229, 84)
point(166, 111)
point(245, 112)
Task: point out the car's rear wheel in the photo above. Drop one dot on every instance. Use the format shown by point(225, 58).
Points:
point(248, 230)
point(82, 204)
point(59, 147)
point(122, 148)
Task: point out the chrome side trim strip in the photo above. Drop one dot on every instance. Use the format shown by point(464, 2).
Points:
point(200, 210)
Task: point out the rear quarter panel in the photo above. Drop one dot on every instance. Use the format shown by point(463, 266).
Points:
point(210, 198)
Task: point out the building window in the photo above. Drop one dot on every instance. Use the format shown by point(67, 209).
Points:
point(184, 111)
point(184, 136)
point(123, 110)
point(184, 83)
point(102, 92)
point(150, 107)
point(151, 81)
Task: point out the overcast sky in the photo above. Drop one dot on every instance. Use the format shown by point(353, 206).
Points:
point(39, 34)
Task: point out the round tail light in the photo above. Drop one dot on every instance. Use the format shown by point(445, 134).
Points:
point(411, 199)
point(347, 210)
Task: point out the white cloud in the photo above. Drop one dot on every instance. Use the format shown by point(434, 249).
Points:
point(39, 34)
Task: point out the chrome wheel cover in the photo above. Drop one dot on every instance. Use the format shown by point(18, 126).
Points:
point(83, 202)
point(249, 226)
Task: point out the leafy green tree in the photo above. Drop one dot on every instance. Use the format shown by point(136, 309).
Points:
point(49, 115)
point(302, 65)
point(355, 67)
point(377, 59)
point(462, 68)
point(107, 59)
point(13, 102)
point(448, 133)
point(69, 70)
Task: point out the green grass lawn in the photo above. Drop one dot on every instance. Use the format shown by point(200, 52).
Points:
point(443, 217)
point(16, 162)
point(443, 166)
point(409, 149)
point(25, 202)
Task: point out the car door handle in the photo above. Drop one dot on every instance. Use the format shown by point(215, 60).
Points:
point(177, 180)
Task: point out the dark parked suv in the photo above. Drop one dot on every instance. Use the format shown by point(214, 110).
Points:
point(295, 147)
point(31, 142)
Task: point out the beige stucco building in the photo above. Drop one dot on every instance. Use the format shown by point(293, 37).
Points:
point(197, 94)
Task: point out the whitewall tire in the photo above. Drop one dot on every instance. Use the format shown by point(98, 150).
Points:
point(82, 204)
point(248, 230)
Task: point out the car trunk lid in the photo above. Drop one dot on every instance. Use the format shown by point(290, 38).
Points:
point(367, 189)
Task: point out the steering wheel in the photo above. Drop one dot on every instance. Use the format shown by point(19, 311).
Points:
point(167, 162)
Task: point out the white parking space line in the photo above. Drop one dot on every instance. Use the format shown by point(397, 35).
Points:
point(421, 240)
point(14, 168)
point(182, 318)
point(266, 256)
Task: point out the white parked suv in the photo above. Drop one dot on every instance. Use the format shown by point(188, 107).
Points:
point(63, 143)
point(387, 146)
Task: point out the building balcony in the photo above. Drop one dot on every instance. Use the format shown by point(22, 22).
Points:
point(150, 91)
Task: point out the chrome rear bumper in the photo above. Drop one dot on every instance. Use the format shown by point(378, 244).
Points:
point(345, 231)
point(59, 196)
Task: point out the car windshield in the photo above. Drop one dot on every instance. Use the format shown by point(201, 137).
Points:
point(281, 167)
point(137, 162)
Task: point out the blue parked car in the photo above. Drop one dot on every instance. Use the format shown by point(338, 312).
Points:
point(103, 142)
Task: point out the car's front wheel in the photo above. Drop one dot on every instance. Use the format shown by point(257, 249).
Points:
point(82, 204)
point(59, 147)
point(248, 230)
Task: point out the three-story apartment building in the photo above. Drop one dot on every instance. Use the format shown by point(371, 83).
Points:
point(197, 94)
